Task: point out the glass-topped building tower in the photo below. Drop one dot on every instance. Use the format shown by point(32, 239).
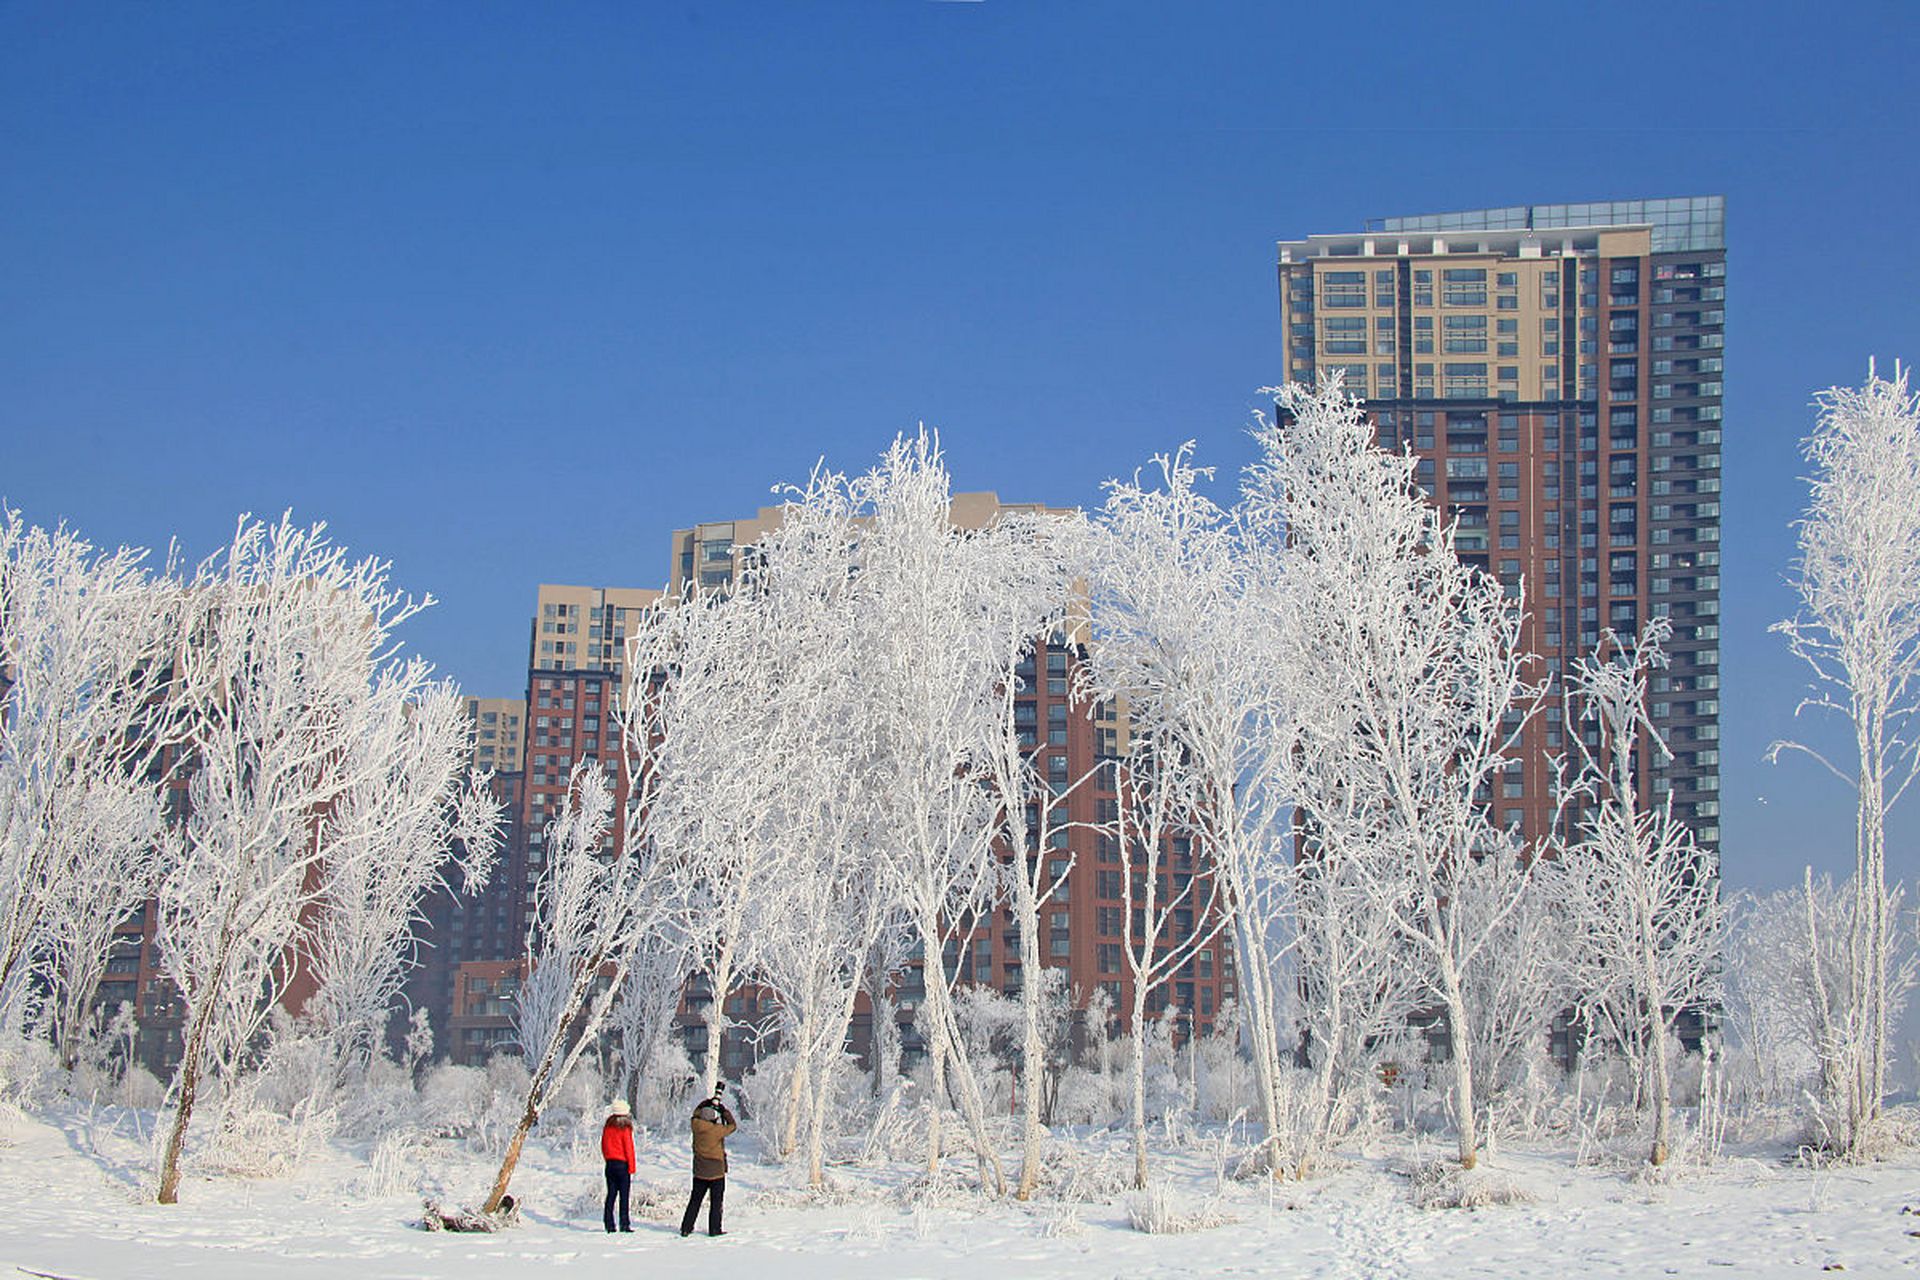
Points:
point(1557, 370)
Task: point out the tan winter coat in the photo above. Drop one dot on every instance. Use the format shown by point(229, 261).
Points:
point(710, 1130)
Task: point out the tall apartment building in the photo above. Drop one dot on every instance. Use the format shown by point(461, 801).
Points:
point(499, 733)
point(458, 928)
point(1557, 371)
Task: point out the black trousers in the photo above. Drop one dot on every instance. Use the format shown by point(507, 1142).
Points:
point(702, 1188)
point(619, 1186)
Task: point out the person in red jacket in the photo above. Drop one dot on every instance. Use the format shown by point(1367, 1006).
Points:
point(616, 1145)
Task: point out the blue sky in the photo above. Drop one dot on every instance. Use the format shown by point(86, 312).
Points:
point(506, 293)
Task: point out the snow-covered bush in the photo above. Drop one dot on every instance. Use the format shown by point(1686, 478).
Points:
point(763, 1100)
point(250, 1139)
point(498, 1119)
point(1087, 1096)
point(1073, 1173)
point(664, 1088)
point(1158, 1211)
point(396, 1164)
point(30, 1074)
point(453, 1098)
point(1443, 1184)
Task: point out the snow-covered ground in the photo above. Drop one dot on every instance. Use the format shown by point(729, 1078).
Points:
point(74, 1208)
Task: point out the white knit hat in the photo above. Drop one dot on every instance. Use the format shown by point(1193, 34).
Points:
point(620, 1107)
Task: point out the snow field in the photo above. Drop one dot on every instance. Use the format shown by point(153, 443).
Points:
point(73, 1181)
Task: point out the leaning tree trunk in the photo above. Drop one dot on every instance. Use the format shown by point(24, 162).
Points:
point(192, 1060)
point(530, 1114)
point(557, 1062)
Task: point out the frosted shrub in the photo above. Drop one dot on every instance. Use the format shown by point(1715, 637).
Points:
point(377, 1099)
point(1224, 1084)
point(765, 1094)
point(1074, 1174)
point(898, 1131)
point(453, 1099)
point(494, 1125)
point(580, 1101)
point(664, 1089)
point(1086, 1097)
point(1532, 1103)
point(1157, 1211)
point(1063, 1222)
point(30, 1073)
point(1445, 1185)
point(253, 1141)
point(395, 1165)
point(141, 1090)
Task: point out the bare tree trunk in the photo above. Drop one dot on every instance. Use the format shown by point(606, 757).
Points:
point(796, 1100)
point(1033, 1046)
point(1870, 914)
point(1262, 1033)
point(1139, 1083)
point(530, 1114)
point(183, 1111)
point(721, 980)
point(1662, 1103)
point(192, 1059)
point(1656, 1028)
point(1457, 1027)
point(512, 1158)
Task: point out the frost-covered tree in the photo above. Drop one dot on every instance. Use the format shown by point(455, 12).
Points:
point(578, 928)
point(1642, 895)
point(1034, 560)
point(1407, 687)
point(599, 905)
point(642, 1015)
point(713, 795)
point(880, 973)
point(1183, 641)
point(1858, 629)
point(286, 668)
point(89, 731)
point(108, 875)
point(381, 848)
point(1771, 1010)
point(926, 592)
point(1171, 910)
point(1357, 988)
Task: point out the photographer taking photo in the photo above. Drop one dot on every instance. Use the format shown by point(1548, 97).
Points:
point(711, 1123)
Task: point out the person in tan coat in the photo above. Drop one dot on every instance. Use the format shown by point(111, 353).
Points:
point(711, 1124)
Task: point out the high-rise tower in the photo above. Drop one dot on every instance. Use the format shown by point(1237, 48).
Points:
point(1556, 369)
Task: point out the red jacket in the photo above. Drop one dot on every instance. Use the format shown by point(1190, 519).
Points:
point(616, 1143)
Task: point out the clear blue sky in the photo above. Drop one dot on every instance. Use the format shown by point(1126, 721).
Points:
point(507, 292)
